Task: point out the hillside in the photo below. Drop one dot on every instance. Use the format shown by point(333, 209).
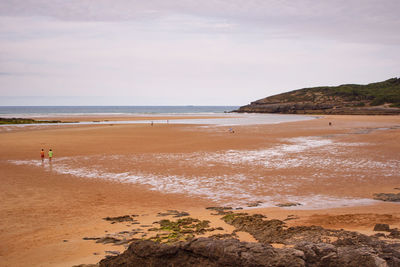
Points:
point(381, 98)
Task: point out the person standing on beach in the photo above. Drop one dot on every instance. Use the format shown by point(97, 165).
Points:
point(50, 154)
point(42, 154)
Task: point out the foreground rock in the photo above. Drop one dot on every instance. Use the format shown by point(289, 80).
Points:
point(382, 227)
point(211, 252)
point(303, 246)
point(205, 252)
point(125, 218)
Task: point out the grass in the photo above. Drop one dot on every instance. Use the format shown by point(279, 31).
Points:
point(180, 230)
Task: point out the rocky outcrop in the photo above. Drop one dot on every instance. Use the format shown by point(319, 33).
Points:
point(205, 252)
point(382, 227)
point(315, 108)
point(382, 98)
point(311, 246)
point(210, 252)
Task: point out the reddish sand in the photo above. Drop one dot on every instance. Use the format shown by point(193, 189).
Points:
point(45, 214)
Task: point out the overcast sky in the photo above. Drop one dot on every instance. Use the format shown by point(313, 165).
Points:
point(190, 52)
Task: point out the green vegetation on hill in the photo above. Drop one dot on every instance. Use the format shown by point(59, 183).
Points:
point(372, 94)
point(381, 98)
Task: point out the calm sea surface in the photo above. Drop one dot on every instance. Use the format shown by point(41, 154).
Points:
point(38, 112)
point(45, 110)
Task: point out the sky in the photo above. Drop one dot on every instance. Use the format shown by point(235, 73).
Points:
point(190, 52)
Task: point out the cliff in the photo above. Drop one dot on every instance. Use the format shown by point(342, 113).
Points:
point(381, 98)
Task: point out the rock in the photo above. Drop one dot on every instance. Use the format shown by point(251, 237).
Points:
point(205, 252)
point(274, 231)
point(107, 240)
point(322, 242)
point(114, 240)
point(232, 252)
point(322, 254)
point(173, 213)
point(125, 218)
point(316, 252)
point(313, 246)
point(366, 257)
point(220, 210)
point(394, 233)
point(382, 227)
point(254, 204)
point(291, 217)
point(224, 236)
point(330, 100)
point(391, 197)
point(288, 204)
point(379, 235)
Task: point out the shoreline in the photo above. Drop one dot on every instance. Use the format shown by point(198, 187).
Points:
point(41, 207)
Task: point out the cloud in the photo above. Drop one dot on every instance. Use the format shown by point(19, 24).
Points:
point(352, 20)
point(193, 52)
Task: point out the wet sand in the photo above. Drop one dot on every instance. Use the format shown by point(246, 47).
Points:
point(333, 171)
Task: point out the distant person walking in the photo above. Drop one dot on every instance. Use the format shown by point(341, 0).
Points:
point(42, 154)
point(50, 154)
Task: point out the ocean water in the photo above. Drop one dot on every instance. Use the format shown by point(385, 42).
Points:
point(37, 111)
point(198, 115)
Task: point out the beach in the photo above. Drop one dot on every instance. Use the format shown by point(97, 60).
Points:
point(328, 173)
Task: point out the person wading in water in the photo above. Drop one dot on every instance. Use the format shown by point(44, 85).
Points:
point(50, 154)
point(42, 154)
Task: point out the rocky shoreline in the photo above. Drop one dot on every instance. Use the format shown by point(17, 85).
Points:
point(315, 109)
point(177, 243)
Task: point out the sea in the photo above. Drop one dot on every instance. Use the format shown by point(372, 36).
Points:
point(35, 111)
point(204, 115)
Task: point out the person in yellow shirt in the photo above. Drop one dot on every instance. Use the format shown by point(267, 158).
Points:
point(50, 154)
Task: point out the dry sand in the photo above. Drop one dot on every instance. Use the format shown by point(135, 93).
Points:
point(46, 209)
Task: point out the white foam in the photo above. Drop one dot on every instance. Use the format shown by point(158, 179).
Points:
point(251, 180)
point(316, 202)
